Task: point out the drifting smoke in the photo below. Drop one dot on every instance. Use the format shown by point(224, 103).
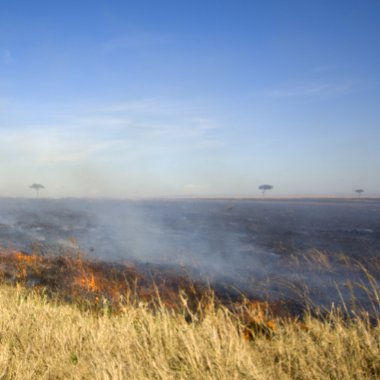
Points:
point(254, 246)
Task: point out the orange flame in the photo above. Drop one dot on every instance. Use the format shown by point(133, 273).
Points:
point(27, 259)
point(77, 277)
point(87, 282)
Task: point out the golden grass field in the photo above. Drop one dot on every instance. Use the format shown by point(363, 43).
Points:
point(42, 337)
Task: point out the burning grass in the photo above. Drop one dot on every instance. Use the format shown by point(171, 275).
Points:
point(97, 286)
point(91, 284)
point(70, 317)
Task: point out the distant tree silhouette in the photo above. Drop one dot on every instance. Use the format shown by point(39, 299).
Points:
point(359, 191)
point(264, 188)
point(37, 187)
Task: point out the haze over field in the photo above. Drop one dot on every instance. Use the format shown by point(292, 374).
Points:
point(259, 247)
point(190, 189)
point(125, 99)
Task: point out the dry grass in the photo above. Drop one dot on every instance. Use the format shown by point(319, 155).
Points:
point(68, 317)
point(41, 339)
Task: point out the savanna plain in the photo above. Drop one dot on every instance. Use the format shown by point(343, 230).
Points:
point(190, 289)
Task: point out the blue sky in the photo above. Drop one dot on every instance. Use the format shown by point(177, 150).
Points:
point(183, 98)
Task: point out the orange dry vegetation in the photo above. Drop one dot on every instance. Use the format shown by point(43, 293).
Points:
point(94, 285)
point(77, 276)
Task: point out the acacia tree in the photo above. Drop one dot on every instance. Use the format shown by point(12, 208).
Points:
point(264, 188)
point(359, 191)
point(37, 187)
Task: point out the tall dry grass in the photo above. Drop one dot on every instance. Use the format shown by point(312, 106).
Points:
point(43, 339)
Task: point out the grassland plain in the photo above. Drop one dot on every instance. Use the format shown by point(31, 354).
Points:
point(43, 339)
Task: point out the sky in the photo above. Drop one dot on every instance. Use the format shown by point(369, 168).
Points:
point(119, 99)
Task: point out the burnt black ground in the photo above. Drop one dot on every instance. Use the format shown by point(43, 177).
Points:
point(246, 244)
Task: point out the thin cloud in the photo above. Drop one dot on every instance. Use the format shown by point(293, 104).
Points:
point(43, 145)
point(210, 144)
point(95, 136)
point(101, 121)
point(135, 105)
point(157, 106)
point(129, 125)
point(311, 90)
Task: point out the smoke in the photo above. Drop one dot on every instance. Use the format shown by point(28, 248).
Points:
point(258, 247)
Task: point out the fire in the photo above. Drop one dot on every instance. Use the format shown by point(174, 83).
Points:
point(87, 282)
point(94, 284)
point(256, 318)
point(24, 263)
point(27, 259)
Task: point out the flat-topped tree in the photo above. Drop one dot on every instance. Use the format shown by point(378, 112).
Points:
point(37, 187)
point(264, 188)
point(359, 191)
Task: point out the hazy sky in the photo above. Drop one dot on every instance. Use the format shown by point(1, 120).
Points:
point(148, 98)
